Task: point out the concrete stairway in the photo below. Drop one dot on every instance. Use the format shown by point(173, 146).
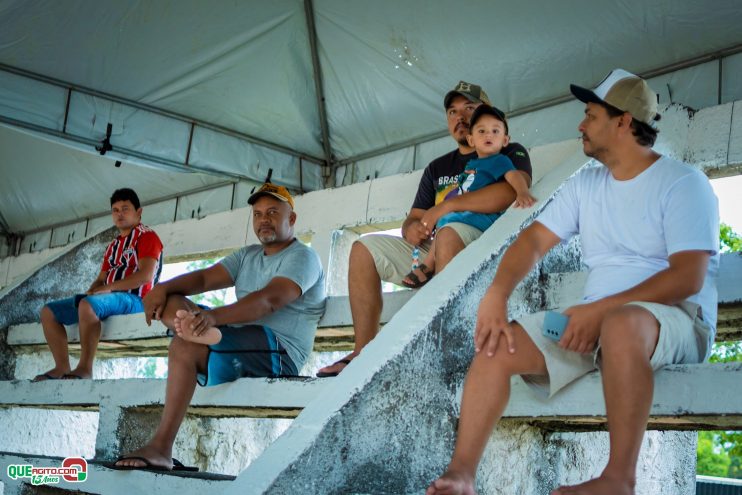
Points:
point(386, 425)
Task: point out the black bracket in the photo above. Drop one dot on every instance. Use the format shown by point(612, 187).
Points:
point(267, 179)
point(105, 145)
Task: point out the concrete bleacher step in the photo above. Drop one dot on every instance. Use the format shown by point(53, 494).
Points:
point(252, 397)
point(125, 402)
point(129, 335)
point(686, 397)
point(101, 479)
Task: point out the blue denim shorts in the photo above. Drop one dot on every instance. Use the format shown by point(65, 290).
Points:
point(247, 351)
point(104, 305)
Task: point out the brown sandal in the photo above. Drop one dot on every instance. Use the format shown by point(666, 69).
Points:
point(416, 282)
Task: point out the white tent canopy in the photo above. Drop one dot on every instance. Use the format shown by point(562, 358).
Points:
point(198, 93)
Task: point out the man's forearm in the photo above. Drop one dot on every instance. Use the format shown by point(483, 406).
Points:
point(670, 286)
point(250, 308)
point(133, 281)
point(489, 199)
point(187, 284)
point(517, 261)
point(527, 249)
point(96, 283)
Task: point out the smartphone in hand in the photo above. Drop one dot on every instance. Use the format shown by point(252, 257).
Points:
point(554, 325)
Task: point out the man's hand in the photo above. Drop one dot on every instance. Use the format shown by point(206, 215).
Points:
point(154, 303)
point(416, 233)
point(202, 321)
point(101, 289)
point(431, 216)
point(492, 320)
point(583, 329)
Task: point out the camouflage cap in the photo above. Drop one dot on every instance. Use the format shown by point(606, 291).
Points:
point(471, 92)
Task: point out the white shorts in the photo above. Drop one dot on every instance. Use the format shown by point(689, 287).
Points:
point(393, 255)
point(683, 339)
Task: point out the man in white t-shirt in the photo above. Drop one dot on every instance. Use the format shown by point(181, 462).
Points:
point(649, 229)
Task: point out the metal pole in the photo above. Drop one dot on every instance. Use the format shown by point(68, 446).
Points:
point(318, 88)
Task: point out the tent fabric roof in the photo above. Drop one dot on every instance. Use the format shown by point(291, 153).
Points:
point(246, 68)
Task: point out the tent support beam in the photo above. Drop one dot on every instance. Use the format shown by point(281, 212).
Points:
point(161, 199)
point(170, 164)
point(319, 92)
point(659, 71)
point(158, 111)
point(4, 229)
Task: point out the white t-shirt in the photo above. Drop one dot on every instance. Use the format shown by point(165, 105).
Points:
point(629, 228)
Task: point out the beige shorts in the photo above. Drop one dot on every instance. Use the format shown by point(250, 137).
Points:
point(683, 339)
point(393, 255)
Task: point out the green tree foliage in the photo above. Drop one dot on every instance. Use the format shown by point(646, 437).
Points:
point(711, 460)
point(731, 242)
point(213, 298)
point(720, 453)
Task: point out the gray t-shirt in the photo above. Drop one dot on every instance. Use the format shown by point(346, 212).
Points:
point(296, 323)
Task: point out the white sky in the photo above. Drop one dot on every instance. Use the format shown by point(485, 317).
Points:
point(729, 192)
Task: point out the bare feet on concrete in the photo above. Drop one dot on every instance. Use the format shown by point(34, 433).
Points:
point(183, 327)
point(452, 483)
point(604, 485)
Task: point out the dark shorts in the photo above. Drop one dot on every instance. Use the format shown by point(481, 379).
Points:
point(104, 305)
point(248, 351)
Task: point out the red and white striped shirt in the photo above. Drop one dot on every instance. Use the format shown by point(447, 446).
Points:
point(124, 252)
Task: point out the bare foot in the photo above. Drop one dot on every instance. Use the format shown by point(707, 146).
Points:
point(452, 483)
point(337, 367)
point(182, 322)
point(52, 374)
point(154, 457)
point(603, 485)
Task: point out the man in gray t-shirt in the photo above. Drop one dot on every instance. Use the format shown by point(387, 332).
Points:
point(269, 331)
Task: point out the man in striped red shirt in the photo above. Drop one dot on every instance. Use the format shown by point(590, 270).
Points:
point(131, 266)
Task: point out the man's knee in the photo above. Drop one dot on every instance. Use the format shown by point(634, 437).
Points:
point(47, 315)
point(361, 256)
point(86, 313)
point(526, 359)
point(189, 352)
point(448, 243)
point(629, 330)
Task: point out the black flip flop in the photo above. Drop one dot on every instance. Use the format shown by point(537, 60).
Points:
point(346, 362)
point(44, 377)
point(177, 465)
point(71, 376)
